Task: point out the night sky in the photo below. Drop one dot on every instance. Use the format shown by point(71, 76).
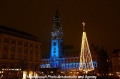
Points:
point(102, 18)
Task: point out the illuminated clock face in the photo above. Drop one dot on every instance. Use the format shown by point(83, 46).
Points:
point(57, 35)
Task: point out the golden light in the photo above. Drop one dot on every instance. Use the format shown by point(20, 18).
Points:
point(36, 74)
point(110, 74)
point(118, 74)
point(30, 76)
point(70, 72)
point(86, 63)
point(24, 74)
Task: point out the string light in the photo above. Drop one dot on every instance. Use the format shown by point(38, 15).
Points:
point(86, 63)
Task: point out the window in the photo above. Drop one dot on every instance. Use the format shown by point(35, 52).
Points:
point(19, 49)
point(13, 48)
point(62, 60)
point(54, 44)
point(4, 56)
point(61, 44)
point(20, 43)
point(30, 58)
point(13, 41)
point(3, 65)
point(54, 52)
point(65, 59)
point(5, 47)
point(12, 56)
point(31, 45)
point(24, 57)
point(11, 65)
point(36, 46)
point(31, 51)
point(26, 44)
point(6, 39)
point(36, 51)
point(25, 51)
point(54, 48)
point(19, 57)
point(36, 59)
point(68, 59)
point(71, 59)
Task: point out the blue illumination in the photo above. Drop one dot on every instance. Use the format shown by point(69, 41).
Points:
point(64, 65)
point(56, 50)
point(95, 64)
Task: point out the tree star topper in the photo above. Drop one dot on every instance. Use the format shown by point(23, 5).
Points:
point(83, 25)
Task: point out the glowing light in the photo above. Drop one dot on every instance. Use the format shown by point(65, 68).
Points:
point(70, 72)
point(51, 72)
point(118, 74)
point(24, 75)
point(30, 76)
point(107, 60)
point(110, 74)
point(12, 69)
point(86, 63)
point(36, 75)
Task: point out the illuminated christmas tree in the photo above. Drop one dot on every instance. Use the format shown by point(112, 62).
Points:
point(86, 63)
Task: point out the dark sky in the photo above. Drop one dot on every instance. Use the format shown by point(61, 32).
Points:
point(102, 18)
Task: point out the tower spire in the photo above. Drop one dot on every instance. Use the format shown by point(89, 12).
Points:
point(56, 42)
point(57, 5)
point(57, 10)
point(56, 14)
point(56, 17)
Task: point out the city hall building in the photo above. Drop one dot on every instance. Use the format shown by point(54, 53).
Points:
point(68, 59)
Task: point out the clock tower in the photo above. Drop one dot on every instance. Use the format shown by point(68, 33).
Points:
point(56, 42)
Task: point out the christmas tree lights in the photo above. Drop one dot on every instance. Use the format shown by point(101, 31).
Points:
point(86, 63)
